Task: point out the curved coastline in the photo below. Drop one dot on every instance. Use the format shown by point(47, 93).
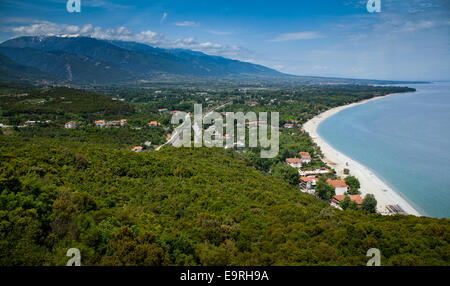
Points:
point(370, 182)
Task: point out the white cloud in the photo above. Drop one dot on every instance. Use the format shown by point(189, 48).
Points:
point(413, 26)
point(125, 34)
point(296, 36)
point(219, 33)
point(185, 24)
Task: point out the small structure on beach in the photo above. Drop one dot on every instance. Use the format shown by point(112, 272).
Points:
point(395, 209)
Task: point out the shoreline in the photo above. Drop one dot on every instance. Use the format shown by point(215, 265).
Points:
point(370, 182)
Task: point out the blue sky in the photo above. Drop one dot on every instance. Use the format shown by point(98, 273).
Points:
point(407, 40)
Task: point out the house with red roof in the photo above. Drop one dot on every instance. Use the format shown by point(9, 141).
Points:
point(137, 149)
point(306, 158)
point(294, 162)
point(339, 198)
point(308, 183)
point(70, 124)
point(340, 187)
point(154, 123)
point(100, 123)
point(357, 199)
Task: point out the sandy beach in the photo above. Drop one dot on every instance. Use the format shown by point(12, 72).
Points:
point(370, 183)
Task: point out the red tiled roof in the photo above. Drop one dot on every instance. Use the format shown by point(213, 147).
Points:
point(357, 199)
point(307, 179)
point(337, 183)
point(305, 155)
point(339, 198)
point(293, 160)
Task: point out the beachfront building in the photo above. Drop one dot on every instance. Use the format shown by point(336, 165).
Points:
point(306, 158)
point(294, 162)
point(337, 199)
point(321, 171)
point(308, 184)
point(340, 187)
point(70, 124)
point(357, 199)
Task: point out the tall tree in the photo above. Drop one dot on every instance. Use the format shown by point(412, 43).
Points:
point(369, 203)
point(354, 185)
point(324, 190)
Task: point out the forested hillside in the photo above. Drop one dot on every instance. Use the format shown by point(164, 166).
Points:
point(184, 207)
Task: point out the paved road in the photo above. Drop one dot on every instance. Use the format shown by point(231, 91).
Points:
point(177, 134)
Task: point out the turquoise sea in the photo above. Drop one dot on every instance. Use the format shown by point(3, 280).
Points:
point(405, 140)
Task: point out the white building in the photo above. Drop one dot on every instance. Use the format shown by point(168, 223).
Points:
point(294, 162)
point(306, 158)
point(340, 187)
point(70, 124)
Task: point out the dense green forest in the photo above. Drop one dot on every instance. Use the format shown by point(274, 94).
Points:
point(83, 187)
point(184, 207)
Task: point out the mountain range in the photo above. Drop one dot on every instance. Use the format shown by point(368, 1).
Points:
point(86, 60)
point(89, 61)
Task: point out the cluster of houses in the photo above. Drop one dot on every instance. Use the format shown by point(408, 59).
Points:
point(103, 123)
point(296, 162)
point(309, 179)
point(163, 110)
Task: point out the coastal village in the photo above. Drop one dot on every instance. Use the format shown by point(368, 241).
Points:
point(308, 177)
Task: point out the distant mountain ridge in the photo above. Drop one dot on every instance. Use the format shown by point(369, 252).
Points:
point(88, 60)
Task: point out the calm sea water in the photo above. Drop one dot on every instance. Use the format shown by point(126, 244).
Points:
point(405, 140)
